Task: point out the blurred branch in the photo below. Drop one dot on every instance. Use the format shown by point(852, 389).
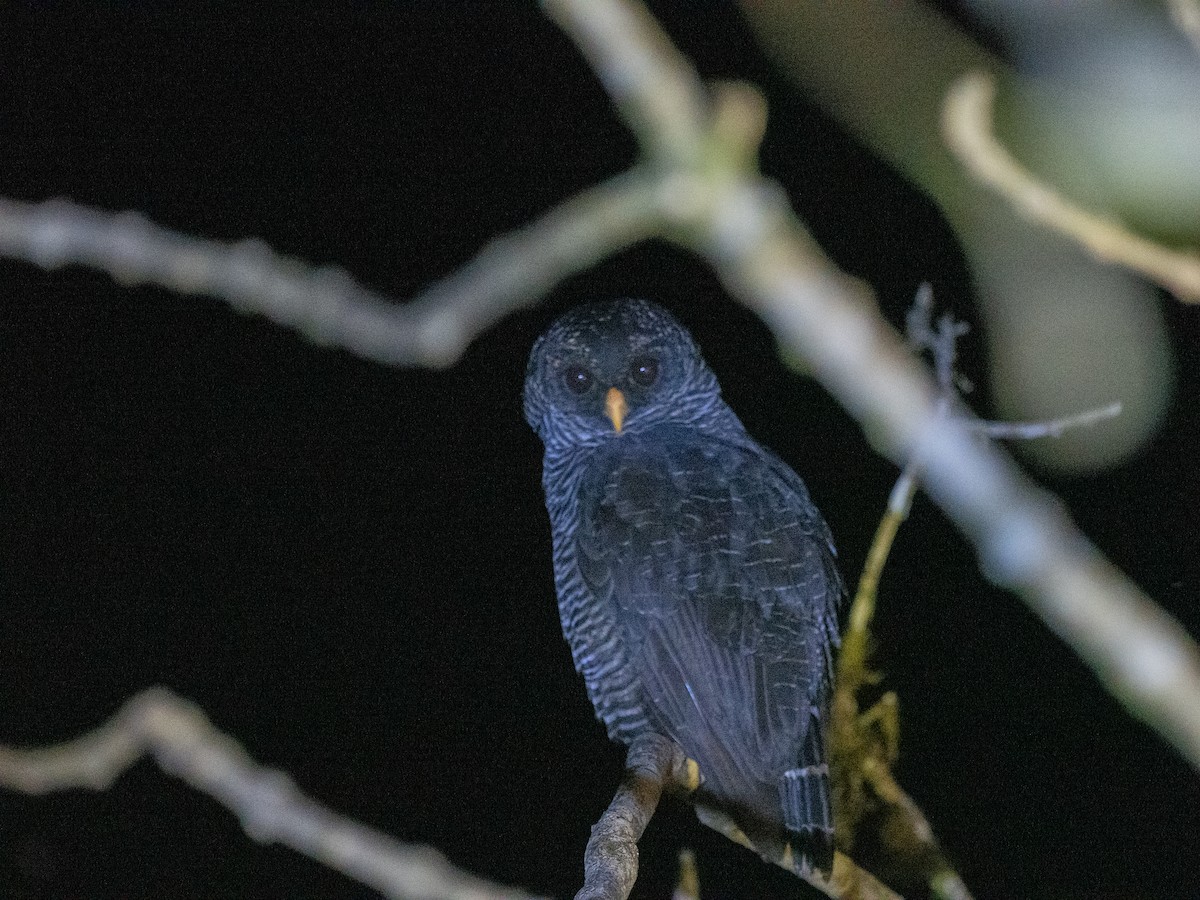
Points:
point(271, 808)
point(865, 744)
point(325, 304)
point(967, 127)
point(882, 68)
point(687, 885)
point(743, 226)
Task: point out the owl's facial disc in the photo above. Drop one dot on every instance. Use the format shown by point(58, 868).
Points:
point(615, 407)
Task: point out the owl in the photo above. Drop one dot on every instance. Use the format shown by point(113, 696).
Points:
point(696, 580)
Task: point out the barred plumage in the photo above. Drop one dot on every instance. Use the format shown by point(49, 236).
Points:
point(696, 580)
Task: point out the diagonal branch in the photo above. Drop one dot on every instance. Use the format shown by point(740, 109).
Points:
point(270, 806)
point(1024, 539)
point(610, 862)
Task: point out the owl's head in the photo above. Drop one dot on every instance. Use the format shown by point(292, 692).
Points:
point(615, 368)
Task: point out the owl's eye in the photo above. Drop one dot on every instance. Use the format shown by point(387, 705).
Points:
point(644, 370)
point(578, 379)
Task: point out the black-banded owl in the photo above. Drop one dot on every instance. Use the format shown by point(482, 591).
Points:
point(696, 579)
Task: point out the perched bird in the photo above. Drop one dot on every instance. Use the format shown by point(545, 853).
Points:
point(696, 579)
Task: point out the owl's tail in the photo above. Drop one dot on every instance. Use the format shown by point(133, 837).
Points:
point(804, 853)
point(788, 823)
point(804, 794)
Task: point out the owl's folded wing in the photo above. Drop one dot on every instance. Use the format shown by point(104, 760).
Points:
point(719, 574)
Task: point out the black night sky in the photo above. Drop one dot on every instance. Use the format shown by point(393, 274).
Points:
point(348, 567)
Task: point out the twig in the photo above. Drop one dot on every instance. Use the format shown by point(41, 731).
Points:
point(852, 659)
point(865, 744)
point(271, 808)
point(941, 342)
point(967, 127)
point(1048, 428)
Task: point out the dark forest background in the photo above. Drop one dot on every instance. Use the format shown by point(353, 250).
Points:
point(348, 567)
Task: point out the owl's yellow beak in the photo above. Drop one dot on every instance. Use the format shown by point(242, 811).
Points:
point(616, 407)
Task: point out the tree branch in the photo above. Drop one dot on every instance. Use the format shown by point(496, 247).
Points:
point(655, 764)
point(270, 806)
point(325, 304)
point(610, 862)
point(967, 127)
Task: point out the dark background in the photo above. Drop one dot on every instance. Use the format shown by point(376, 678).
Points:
point(348, 567)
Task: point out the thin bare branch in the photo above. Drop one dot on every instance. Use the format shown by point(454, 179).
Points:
point(1048, 428)
point(940, 340)
point(852, 660)
point(967, 128)
point(326, 305)
point(270, 806)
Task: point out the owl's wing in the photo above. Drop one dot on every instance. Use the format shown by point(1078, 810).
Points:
point(720, 572)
